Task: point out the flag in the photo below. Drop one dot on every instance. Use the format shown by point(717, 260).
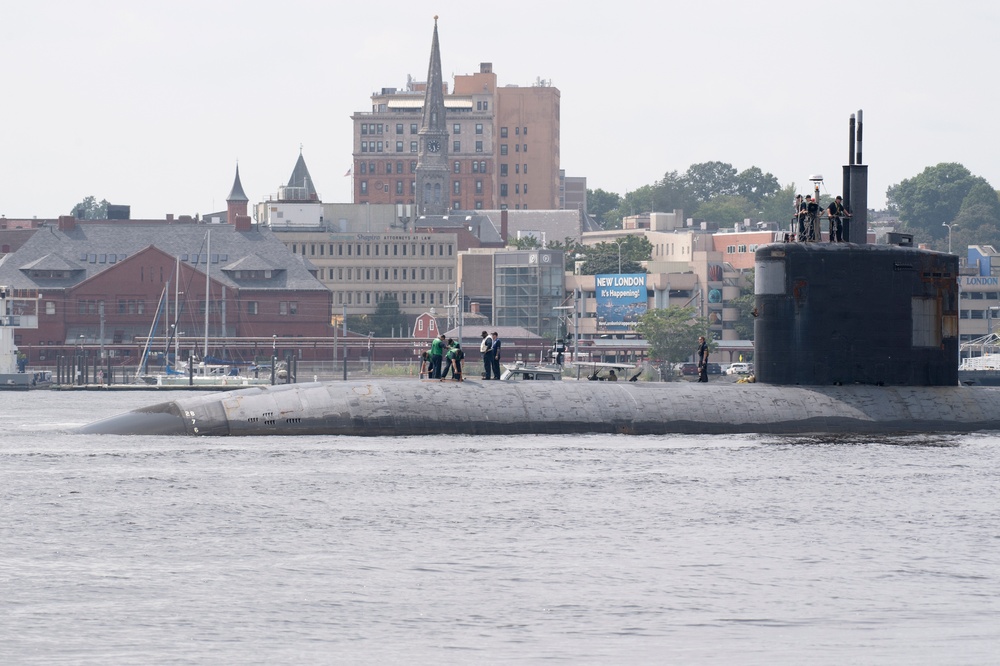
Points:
point(349, 172)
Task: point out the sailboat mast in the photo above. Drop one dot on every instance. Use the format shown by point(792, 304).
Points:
point(208, 284)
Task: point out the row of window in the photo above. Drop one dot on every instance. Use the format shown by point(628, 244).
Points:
point(518, 148)
point(380, 128)
point(402, 297)
point(518, 189)
point(517, 169)
point(478, 166)
point(373, 249)
point(456, 147)
point(741, 248)
point(383, 274)
point(456, 187)
point(976, 314)
point(517, 132)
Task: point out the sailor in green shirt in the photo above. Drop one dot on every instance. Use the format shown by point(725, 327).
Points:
point(437, 352)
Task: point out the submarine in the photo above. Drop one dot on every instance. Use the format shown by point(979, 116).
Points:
point(849, 339)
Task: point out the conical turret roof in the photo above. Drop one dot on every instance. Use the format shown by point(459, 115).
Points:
point(237, 194)
point(301, 178)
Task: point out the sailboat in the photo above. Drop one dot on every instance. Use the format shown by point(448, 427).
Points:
point(206, 372)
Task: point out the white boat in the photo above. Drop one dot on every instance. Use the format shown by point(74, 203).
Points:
point(595, 371)
point(17, 313)
point(520, 371)
point(214, 374)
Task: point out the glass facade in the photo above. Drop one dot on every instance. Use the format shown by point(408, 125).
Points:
point(527, 286)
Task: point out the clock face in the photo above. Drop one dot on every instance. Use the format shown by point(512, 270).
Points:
point(433, 146)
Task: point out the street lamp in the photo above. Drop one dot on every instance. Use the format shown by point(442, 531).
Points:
point(945, 224)
point(619, 244)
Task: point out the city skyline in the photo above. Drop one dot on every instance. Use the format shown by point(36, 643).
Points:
point(153, 106)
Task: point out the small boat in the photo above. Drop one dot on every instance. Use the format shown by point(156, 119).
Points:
point(13, 365)
point(520, 371)
point(214, 374)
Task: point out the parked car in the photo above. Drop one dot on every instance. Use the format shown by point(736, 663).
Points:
point(714, 369)
point(689, 369)
point(740, 369)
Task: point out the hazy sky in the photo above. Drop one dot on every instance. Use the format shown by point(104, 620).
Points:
point(153, 104)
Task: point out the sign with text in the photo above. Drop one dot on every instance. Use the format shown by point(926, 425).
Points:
point(621, 300)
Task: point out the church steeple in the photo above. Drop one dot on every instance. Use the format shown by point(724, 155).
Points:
point(432, 159)
point(236, 202)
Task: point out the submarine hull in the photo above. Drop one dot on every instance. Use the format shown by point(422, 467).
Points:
point(414, 408)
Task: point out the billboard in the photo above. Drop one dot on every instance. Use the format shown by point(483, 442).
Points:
point(621, 300)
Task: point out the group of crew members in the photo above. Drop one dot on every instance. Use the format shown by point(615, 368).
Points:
point(808, 214)
point(445, 356)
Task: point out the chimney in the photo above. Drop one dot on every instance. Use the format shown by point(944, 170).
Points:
point(67, 223)
point(242, 223)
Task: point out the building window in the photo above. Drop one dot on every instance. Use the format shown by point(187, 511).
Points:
point(482, 167)
point(503, 170)
point(363, 168)
point(730, 249)
point(479, 146)
point(50, 307)
point(479, 187)
point(517, 168)
point(456, 146)
point(517, 130)
point(503, 189)
point(413, 146)
point(456, 187)
point(525, 169)
point(475, 167)
point(524, 148)
point(364, 187)
point(456, 129)
point(251, 307)
point(517, 189)
point(364, 129)
point(525, 188)
point(413, 128)
point(503, 132)
point(479, 205)
point(517, 147)
point(458, 167)
point(479, 128)
point(399, 187)
point(503, 148)
point(399, 146)
point(399, 128)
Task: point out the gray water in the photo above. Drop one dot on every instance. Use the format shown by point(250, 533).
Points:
point(481, 550)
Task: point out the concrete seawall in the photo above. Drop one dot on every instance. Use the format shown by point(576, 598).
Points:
point(406, 408)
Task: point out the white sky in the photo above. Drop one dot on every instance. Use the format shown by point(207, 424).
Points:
point(152, 104)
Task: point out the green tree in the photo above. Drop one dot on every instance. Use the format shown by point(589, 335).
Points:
point(778, 207)
point(710, 179)
point(726, 210)
point(524, 243)
point(755, 186)
point(602, 205)
point(932, 198)
point(385, 322)
point(603, 257)
point(672, 333)
point(90, 209)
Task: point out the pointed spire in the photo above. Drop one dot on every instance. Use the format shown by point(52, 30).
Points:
point(237, 194)
point(300, 178)
point(433, 116)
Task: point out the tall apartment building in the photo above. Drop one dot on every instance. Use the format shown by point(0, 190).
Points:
point(502, 143)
